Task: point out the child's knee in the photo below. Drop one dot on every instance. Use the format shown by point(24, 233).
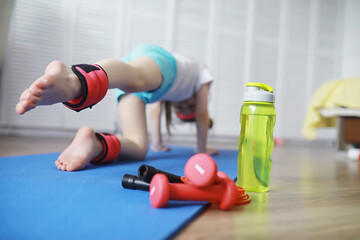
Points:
point(142, 152)
point(136, 150)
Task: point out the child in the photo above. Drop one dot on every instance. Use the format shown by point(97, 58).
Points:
point(147, 75)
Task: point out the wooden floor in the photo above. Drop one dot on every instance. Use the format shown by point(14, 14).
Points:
point(314, 194)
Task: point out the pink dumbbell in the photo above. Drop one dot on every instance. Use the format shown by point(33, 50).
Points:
point(161, 192)
point(201, 170)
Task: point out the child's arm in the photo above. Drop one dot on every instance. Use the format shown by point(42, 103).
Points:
point(156, 140)
point(202, 120)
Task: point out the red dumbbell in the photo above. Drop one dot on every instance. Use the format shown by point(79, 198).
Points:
point(201, 170)
point(241, 196)
point(161, 192)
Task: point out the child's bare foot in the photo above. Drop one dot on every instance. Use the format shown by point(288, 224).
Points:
point(85, 147)
point(58, 84)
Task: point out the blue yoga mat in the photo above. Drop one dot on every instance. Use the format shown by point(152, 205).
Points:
point(38, 201)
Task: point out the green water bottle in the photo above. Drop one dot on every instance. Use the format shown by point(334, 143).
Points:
point(256, 143)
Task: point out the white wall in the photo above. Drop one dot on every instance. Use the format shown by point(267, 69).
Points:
point(292, 45)
point(5, 12)
point(351, 49)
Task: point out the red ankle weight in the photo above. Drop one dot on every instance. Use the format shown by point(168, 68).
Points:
point(94, 85)
point(111, 148)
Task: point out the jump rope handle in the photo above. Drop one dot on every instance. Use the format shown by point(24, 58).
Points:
point(146, 173)
point(134, 182)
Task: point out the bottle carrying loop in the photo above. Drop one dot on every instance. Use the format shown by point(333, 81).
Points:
point(260, 85)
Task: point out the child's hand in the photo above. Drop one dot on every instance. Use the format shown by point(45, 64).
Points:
point(159, 148)
point(210, 151)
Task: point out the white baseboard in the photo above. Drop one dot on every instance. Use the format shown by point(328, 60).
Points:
point(222, 141)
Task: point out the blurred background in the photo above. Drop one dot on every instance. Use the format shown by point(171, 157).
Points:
point(292, 45)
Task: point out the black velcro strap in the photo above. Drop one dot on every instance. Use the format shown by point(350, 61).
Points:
point(104, 153)
point(84, 86)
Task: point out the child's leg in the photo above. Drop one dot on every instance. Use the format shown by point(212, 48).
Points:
point(85, 147)
point(60, 84)
point(134, 142)
point(140, 74)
